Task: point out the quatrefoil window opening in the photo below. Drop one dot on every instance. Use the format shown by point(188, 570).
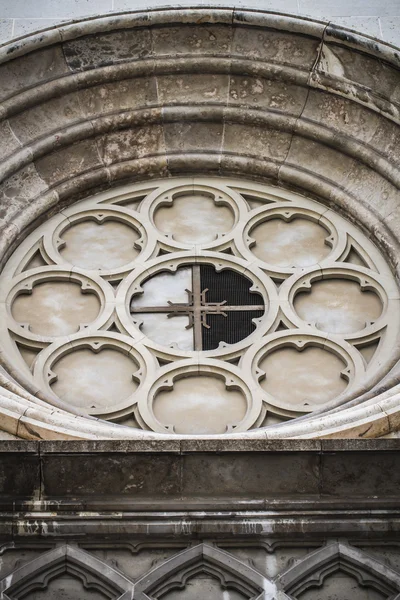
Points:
point(265, 302)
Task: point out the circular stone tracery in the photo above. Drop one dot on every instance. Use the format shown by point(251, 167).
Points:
point(198, 306)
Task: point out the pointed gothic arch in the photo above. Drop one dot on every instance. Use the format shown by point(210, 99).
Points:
point(92, 572)
point(367, 570)
point(232, 573)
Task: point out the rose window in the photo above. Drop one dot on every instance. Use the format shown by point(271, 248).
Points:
point(199, 306)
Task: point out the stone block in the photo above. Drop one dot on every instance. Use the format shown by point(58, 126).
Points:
point(31, 70)
point(249, 445)
point(321, 160)
point(256, 141)
point(361, 474)
point(9, 144)
point(19, 473)
point(277, 47)
point(341, 115)
point(190, 137)
point(69, 162)
point(44, 8)
point(130, 144)
point(46, 118)
point(252, 475)
point(128, 94)
point(342, 8)
point(359, 71)
point(373, 190)
point(19, 190)
point(109, 446)
point(26, 26)
point(135, 475)
point(6, 26)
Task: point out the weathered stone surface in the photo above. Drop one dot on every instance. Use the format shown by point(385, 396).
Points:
point(188, 88)
point(19, 474)
point(137, 475)
point(189, 39)
point(362, 71)
point(46, 118)
point(131, 143)
point(17, 191)
point(260, 475)
point(268, 94)
point(69, 162)
point(32, 70)
point(341, 114)
point(107, 49)
point(189, 137)
point(10, 143)
point(284, 470)
point(127, 94)
point(363, 474)
point(277, 47)
point(257, 142)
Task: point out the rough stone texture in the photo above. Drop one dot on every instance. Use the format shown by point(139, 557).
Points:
point(107, 49)
point(40, 66)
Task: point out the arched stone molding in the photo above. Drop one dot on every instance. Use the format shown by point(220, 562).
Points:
point(297, 103)
point(312, 570)
point(204, 558)
point(93, 573)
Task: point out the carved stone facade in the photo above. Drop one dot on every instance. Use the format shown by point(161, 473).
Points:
point(267, 520)
point(200, 241)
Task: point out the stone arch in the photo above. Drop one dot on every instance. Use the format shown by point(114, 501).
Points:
point(92, 572)
point(335, 556)
point(299, 103)
point(204, 558)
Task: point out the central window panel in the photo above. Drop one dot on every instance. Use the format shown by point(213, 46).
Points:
point(219, 307)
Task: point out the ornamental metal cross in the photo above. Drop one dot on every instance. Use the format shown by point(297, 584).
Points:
point(196, 309)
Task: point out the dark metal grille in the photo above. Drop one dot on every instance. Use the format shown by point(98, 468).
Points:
point(220, 307)
point(229, 286)
point(230, 329)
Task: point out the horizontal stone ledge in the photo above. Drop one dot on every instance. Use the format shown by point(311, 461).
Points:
point(202, 508)
point(183, 472)
point(178, 528)
point(176, 444)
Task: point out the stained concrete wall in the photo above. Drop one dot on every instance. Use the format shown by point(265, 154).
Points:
point(378, 18)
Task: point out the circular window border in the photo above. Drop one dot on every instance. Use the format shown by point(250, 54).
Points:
point(341, 197)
